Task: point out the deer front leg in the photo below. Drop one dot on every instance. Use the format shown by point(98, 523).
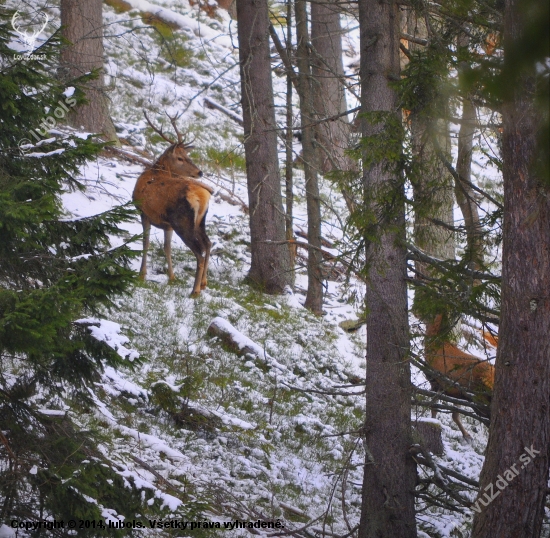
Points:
point(168, 252)
point(458, 422)
point(146, 223)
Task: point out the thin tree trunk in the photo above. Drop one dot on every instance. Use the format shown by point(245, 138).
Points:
point(270, 268)
point(390, 473)
point(314, 297)
point(518, 452)
point(82, 26)
point(289, 135)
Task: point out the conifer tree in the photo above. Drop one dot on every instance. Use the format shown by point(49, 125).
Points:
point(53, 271)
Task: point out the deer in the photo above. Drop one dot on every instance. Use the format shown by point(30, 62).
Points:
point(459, 372)
point(171, 198)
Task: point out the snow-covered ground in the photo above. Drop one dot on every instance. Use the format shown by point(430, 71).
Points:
point(252, 434)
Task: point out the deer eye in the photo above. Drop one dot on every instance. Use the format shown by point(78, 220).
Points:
point(180, 159)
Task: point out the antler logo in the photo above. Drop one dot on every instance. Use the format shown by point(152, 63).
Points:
point(29, 31)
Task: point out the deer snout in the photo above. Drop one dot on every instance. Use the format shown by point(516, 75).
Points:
point(200, 173)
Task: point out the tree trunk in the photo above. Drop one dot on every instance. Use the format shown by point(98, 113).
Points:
point(270, 268)
point(520, 422)
point(465, 195)
point(329, 95)
point(390, 473)
point(329, 99)
point(289, 137)
point(82, 26)
point(432, 190)
point(314, 298)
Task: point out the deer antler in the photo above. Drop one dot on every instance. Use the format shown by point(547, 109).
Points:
point(159, 131)
point(181, 137)
point(173, 120)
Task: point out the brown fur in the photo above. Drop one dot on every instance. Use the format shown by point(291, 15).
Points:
point(470, 372)
point(171, 198)
point(490, 338)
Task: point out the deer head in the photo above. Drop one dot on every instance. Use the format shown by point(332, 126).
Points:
point(29, 37)
point(175, 159)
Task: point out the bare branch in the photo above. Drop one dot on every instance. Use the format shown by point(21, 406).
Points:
point(413, 39)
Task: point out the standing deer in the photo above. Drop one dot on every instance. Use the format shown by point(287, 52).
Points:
point(170, 197)
point(471, 373)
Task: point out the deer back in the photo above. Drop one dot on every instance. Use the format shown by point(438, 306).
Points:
point(470, 372)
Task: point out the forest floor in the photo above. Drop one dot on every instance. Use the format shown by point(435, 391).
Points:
point(270, 432)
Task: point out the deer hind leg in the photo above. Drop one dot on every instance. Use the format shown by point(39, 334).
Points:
point(195, 246)
point(458, 422)
point(205, 244)
point(200, 270)
point(168, 252)
point(146, 223)
point(200, 245)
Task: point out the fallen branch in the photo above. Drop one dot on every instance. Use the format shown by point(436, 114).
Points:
point(229, 113)
point(323, 392)
point(454, 474)
point(240, 344)
point(232, 199)
point(130, 156)
point(438, 479)
point(159, 477)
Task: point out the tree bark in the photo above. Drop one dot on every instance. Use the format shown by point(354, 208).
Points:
point(82, 26)
point(329, 99)
point(270, 268)
point(289, 137)
point(520, 420)
point(329, 94)
point(465, 195)
point(432, 190)
point(390, 473)
point(314, 297)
